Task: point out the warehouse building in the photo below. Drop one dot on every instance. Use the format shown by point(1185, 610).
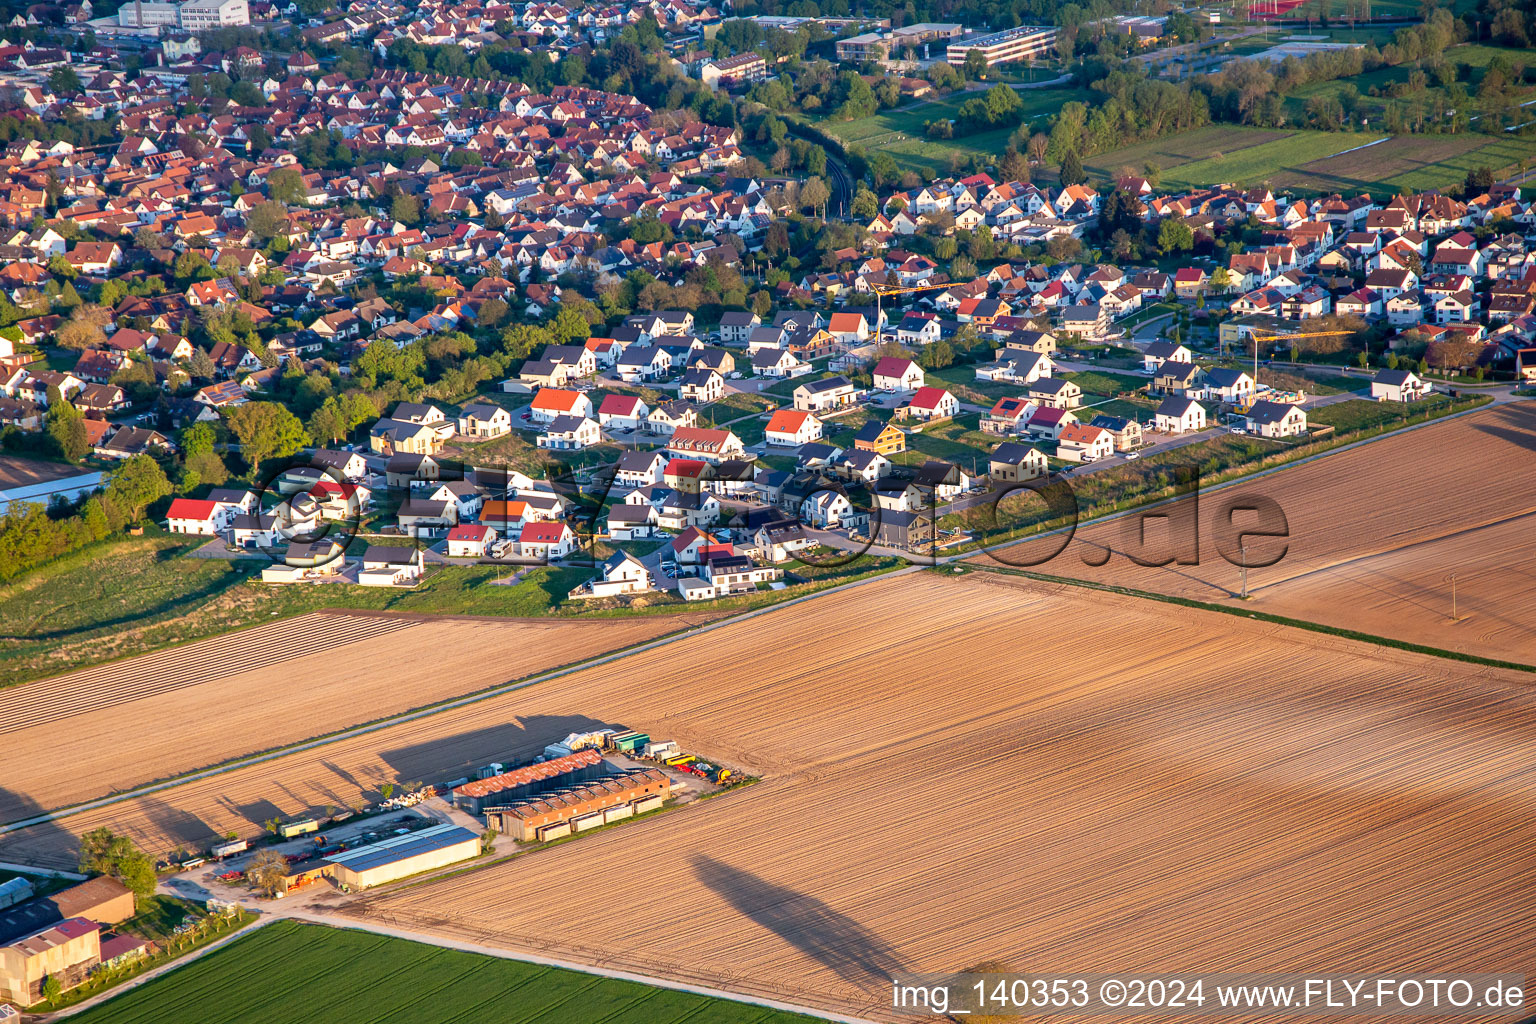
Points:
point(575, 810)
point(66, 950)
point(402, 856)
point(103, 900)
point(509, 787)
point(1027, 42)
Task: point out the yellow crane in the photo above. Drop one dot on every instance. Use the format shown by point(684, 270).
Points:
point(880, 293)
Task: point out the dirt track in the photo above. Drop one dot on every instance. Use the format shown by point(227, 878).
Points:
point(1375, 534)
point(165, 714)
point(974, 768)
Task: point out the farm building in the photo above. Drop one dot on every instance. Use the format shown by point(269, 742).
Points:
point(402, 856)
point(66, 951)
point(560, 773)
point(583, 807)
point(103, 900)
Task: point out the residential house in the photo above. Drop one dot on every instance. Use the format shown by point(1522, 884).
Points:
point(1399, 386)
point(824, 395)
point(1179, 415)
point(880, 437)
point(550, 403)
point(1013, 461)
point(1080, 442)
point(545, 541)
point(1055, 393)
point(792, 428)
point(1008, 416)
point(570, 433)
point(483, 420)
point(1276, 419)
point(622, 412)
point(893, 373)
point(929, 403)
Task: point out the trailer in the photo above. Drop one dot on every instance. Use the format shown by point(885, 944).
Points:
point(229, 849)
point(298, 828)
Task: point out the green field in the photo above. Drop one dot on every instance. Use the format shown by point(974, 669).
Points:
point(1191, 158)
point(899, 132)
point(295, 972)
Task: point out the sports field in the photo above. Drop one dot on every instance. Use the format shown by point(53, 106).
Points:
point(295, 972)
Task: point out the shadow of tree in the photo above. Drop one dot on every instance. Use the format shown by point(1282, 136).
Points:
point(826, 935)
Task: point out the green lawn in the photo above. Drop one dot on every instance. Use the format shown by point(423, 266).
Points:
point(899, 132)
point(296, 972)
point(1363, 414)
point(1098, 382)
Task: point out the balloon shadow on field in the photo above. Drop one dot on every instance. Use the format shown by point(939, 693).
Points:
point(826, 935)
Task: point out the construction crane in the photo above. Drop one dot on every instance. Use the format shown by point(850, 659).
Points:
point(1257, 338)
point(880, 293)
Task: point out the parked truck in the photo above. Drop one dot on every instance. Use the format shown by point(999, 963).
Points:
point(229, 849)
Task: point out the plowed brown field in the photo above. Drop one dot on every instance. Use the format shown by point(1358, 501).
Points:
point(1375, 535)
point(981, 767)
point(84, 735)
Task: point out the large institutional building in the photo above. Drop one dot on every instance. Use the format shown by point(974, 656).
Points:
point(1022, 43)
point(194, 15)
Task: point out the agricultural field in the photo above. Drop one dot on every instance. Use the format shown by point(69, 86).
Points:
point(1412, 163)
point(874, 717)
point(293, 971)
point(1376, 533)
point(865, 842)
point(173, 712)
point(1254, 164)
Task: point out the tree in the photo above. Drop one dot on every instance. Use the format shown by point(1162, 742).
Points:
point(66, 425)
point(205, 468)
point(1174, 235)
point(103, 852)
point(1072, 169)
point(52, 990)
point(267, 872)
point(865, 203)
point(200, 365)
point(1013, 166)
point(1037, 146)
point(406, 209)
point(975, 65)
point(267, 220)
point(936, 356)
point(286, 185)
point(814, 193)
point(83, 328)
point(197, 439)
point(1479, 181)
point(492, 312)
point(64, 81)
point(136, 484)
point(265, 430)
point(1364, 359)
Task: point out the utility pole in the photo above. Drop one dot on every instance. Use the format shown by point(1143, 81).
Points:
point(1244, 549)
